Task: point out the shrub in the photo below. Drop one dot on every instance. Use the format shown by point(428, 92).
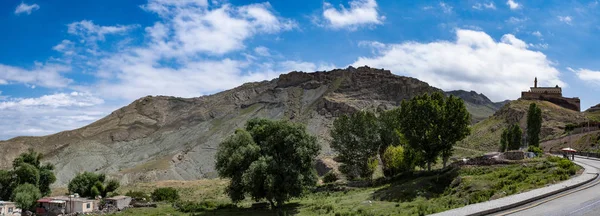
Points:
point(538, 151)
point(138, 195)
point(168, 194)
point(330, 177)
point(26, 195)
point(207, 205)
point(393, 160)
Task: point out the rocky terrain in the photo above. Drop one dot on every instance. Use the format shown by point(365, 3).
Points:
point(485, 135)
point(169, 138)
point(479, 105)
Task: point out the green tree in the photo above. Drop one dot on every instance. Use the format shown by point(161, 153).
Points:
point(88, 184)
point(29, 169)
point(393, 159)
point(27, 173)
point(7, 184)
point(454, 125)
point(504, 140)
point(513, 137)
point(168, 194)
point(534, 125)
point(25, 196)
point(433, 124)
point(356, 139)
point(272, 160)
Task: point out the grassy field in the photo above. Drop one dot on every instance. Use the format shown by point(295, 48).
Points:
point(425, 193)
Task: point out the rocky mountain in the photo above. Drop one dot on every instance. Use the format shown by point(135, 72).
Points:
point(170, 138)
point(480, 106)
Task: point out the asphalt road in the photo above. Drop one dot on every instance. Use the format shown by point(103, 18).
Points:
point(584, 200)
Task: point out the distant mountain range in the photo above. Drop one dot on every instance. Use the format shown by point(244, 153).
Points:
point(170, 138)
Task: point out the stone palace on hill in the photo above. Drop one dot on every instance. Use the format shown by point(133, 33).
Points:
point(551, 94)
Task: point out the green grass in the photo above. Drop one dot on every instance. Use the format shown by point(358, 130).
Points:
point(408, 195)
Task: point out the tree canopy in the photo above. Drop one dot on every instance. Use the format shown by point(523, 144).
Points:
point(272, 160)
point(511, 138)
point(27, 169)
point(433, 124)
point(25, 196)
point(534, 125)
point(357, 140)
point(88, 184)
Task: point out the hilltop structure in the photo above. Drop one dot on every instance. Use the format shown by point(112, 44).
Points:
point(551, 94)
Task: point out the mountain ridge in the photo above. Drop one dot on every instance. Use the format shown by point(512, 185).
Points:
point(169, 138)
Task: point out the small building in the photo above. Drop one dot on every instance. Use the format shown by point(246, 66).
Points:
point(76, 204)
point(50, 206)
point(120, 202)
point(9, 209)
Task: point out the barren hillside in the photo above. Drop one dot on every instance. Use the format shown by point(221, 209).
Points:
point(169, 138)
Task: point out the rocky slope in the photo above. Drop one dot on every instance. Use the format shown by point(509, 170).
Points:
point(485, 135)
point(163, 138)
point(480, 106)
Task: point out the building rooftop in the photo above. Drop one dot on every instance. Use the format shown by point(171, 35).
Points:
point(118, 197)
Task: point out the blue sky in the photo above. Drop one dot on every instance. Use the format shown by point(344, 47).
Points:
point(67, 63)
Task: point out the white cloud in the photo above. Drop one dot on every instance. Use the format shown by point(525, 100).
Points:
point(445, 7)
point(587, 75)
point(566, 19)
point(48, 75)
point(480, 6)
point(76, 99)
point(474, 61)
point(537, 34)
point(49, 113)
point(513, 5)
point(92, 32)
point(262, 51)
point(361, 13)
point(66, 47)
point(25, 8)
point(539, 46)
point(515, 20)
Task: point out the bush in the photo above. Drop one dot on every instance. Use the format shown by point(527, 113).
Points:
point(330, 177)
point(138, 195)
point(538, 151)
point(168, 194)
point(207, 205)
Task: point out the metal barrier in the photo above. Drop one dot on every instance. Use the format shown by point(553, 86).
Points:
point(585, 154)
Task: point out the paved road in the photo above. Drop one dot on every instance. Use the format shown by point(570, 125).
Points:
point(584, 200)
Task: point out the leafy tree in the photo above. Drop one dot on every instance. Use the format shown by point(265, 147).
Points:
point(356, 139)
point(7, 184)
point(512, 135)
point(330, 177)
point(25, 196)
point(454, 126)
point(88, 184)
point(534, 125)
point(29, 169)
point(504, 140)
point(393, 159)
point(27, 173)
point(271, 160)
point(433, 124)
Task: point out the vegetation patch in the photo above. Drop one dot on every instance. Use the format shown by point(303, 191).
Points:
point(419, 194)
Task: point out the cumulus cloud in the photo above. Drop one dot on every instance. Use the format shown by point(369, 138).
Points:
point(481, 6)
point(360, 13)
point(565, 19)
point(537, 34)
point(513, 4)
point(49, 113)
point(46, 75)
point(587, 75)
point(25, 8)
point(474, 61)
